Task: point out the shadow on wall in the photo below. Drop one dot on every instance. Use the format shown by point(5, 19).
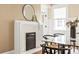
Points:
point(11, 35)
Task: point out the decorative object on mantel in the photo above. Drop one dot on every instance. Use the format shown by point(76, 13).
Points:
point(73, 25)
point(34, 18)
point(28, 12)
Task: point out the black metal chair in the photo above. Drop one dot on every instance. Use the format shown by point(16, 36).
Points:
point(53, 50)
point(54, 35)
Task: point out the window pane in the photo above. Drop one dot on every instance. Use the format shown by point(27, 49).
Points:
point(60, 12)
point(59, 25)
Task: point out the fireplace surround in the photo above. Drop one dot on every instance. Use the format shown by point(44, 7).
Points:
point(21, 30)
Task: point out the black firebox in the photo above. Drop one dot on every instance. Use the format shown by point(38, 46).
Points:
point(30, 40)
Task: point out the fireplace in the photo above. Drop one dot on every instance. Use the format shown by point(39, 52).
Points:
point(30, 40)
point(27, 36)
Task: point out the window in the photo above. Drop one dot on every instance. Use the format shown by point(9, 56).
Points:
point(59, 18)
point(60, 15)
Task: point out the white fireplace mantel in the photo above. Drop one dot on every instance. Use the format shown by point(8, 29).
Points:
point(22, 27)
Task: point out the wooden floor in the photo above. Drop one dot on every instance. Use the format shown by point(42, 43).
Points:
point(38, 52)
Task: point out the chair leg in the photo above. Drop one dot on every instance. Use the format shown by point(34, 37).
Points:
point(43, 50)
point(74, 46)
point(69, 51)
point(50, 51)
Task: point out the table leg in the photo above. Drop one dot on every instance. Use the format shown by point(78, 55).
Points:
point(58, 47)
point(50, 51)
point(69, 51)
point(74, 46)
point(63, 51)
point(54, 51)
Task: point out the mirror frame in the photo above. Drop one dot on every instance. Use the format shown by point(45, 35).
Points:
point(32, 15)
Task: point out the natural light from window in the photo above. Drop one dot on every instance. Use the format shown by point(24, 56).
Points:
point(59, 18)
point(60, 15)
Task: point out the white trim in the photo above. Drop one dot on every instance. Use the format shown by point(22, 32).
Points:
point(32, 51)
point(62, 7)
point(59, 6)
point(65, 18)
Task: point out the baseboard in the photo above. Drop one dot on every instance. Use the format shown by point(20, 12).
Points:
point(9, 52)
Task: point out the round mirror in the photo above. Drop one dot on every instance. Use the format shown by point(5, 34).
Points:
point(28, 12)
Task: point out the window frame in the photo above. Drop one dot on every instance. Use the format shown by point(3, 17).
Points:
point(61, 31)
point(60, 6)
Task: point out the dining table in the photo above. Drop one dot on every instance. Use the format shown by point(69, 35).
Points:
point(56, 46)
